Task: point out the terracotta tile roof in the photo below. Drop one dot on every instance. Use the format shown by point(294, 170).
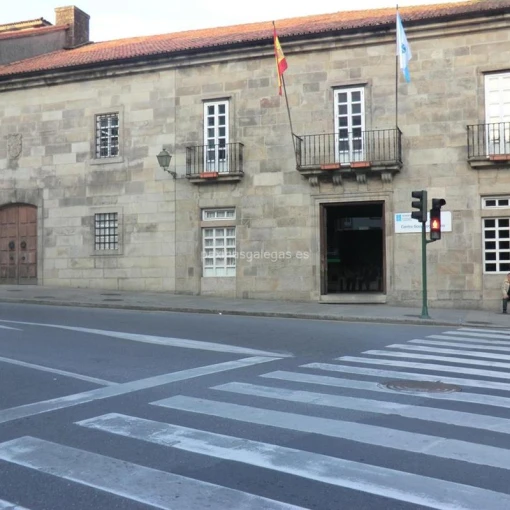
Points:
point(31, 32)
point(122, 49)
point(18, 25)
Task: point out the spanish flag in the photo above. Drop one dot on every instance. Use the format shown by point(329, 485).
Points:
point(281, 62)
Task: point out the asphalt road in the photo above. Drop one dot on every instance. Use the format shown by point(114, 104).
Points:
point(105, 410)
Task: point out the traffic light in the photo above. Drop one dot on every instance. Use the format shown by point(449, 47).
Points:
point(435, 218)
point(421, 205)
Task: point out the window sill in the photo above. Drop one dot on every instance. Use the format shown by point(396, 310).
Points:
point(106, 161)
point(106, 253)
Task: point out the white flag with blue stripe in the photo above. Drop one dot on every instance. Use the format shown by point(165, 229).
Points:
point(403, 49)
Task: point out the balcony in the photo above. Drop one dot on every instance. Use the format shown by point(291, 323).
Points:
point(214, 163)
point(489, 145)
point(357, 154)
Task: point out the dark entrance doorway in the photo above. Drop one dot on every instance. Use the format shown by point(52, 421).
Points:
point(352, 248)
point(18, 244)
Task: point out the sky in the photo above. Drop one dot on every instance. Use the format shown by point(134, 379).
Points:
point(117, 19)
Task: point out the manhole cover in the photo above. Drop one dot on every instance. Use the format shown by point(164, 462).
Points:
point(113, 299)
point(421, 386)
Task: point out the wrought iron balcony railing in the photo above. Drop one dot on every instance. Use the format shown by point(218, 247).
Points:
point(488, 140)
point(216, 160)
point(378, 148)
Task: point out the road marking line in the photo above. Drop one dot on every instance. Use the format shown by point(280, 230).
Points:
point(45, 406)
point(162, 340)
point(468, 339)
point(95, 380)
point(460, 361)
point(428, 366)
point(497, 331)
point(461, 352)
point(13, 329)
point(458, 344)
point(352, 431)
point(324, 380)
point(499, 335)
point(145, 485)
point(432, 414)
point(380, 481)
point(393, 374)
point(5, 505)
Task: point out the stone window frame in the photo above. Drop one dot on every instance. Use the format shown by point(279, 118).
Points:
point(120, 231)
point(496, 244)
point(214, 223)
point(119, 111)
point(500, 202)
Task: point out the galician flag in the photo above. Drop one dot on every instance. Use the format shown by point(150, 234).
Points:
point(281, 62)
point(403, 49)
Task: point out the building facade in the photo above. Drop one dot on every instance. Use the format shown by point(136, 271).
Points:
point(301, 196)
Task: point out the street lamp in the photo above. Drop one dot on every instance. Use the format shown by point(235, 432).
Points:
point(164, 158)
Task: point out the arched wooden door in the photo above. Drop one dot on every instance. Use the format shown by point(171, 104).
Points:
point(18, 244)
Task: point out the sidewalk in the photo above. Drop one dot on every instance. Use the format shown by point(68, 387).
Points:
point(156, 301)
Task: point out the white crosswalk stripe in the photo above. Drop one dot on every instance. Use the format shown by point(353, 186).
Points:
point(476, 346)
point(390, 483)
point(305, 400)
point(5, 505)
point(128, 480)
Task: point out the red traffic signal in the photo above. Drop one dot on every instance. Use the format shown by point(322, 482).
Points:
point(435, 218)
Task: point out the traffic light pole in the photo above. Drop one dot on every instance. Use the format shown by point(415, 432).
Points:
point(424, 308)
point(424, 242)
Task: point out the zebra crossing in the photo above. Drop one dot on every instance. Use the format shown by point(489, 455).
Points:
point(334, 400)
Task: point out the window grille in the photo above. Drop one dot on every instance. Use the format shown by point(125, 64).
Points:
point(106, 231)
point(218, 214)
point(496, 245)
point(107, 135)
point(494, 202)
point(219, 255)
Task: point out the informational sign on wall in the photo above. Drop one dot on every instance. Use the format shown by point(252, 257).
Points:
point(404, 224)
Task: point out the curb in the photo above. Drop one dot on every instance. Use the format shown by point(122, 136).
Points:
point(246, 313)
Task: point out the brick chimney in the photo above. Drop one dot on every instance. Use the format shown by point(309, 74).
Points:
point(78, 32)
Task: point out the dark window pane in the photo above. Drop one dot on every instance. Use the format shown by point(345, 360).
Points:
point(490, 223)
point(356, 108)
point(491, 245)
point(504, 234)
point(504, 245)
point(504, 267)
point(503, 223)
point(356, 96)
point(504, 255)
point(490, 234)
point(490, 267)
point(503, 202)
point(342, 109)
point(342, 97)
point(490, 256)
point(490, 203)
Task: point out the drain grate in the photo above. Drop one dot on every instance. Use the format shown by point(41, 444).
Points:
point(420, 386)
point(110, 294)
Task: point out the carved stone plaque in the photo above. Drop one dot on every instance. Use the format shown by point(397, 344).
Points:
point(14, 145)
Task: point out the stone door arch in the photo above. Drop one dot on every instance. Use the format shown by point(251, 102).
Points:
point(18, 244)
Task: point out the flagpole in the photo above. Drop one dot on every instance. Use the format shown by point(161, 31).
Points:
point(396, 78)
point(287, 103)
point(288, 112)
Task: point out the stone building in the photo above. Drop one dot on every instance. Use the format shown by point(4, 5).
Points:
point(310, 202)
